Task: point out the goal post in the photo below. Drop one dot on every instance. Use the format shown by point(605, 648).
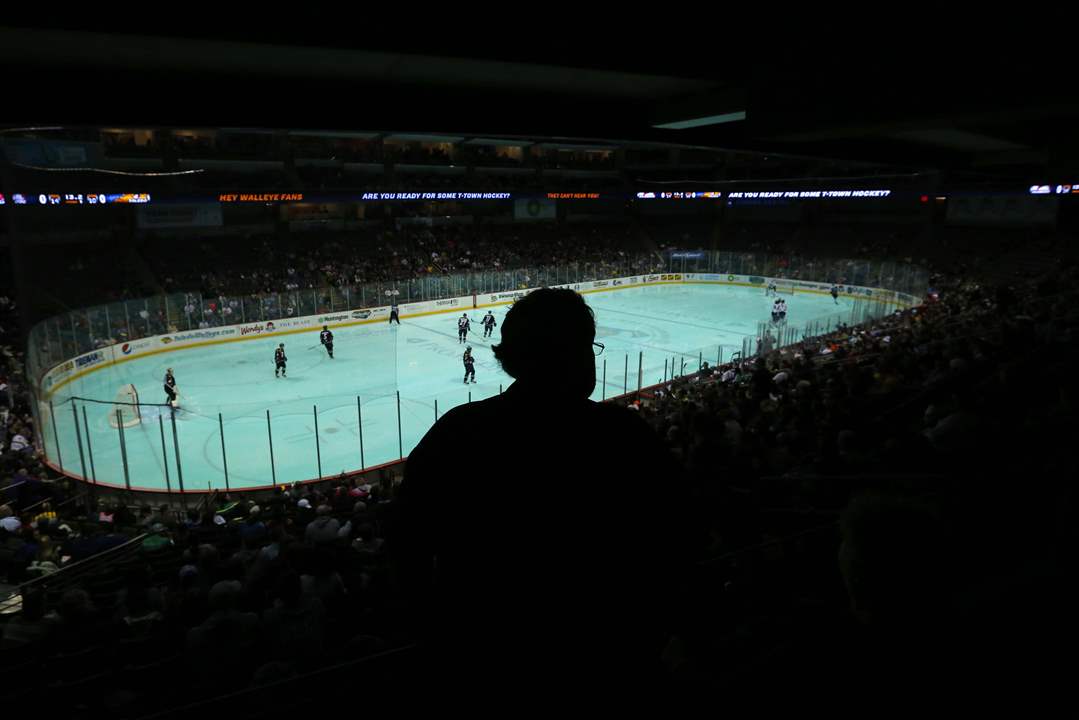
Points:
point(127, 402)
point(783, 287)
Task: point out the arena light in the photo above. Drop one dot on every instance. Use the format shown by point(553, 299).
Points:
point(703, 121)
point(104, 171)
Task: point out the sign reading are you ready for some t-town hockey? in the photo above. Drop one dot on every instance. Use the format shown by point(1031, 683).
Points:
point(437, 196)
point(800, 194)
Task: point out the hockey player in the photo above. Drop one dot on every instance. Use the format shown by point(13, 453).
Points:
point(782, 310)
point(470, 365)
point(488, 324)
point(463, 326)
point(326, 338)
point(170, 388)
point(279, 360)
point(835, 294)
point(771, 289)
point(775, 311)
point(393, 312)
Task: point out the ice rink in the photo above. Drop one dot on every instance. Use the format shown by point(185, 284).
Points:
point(231, 387)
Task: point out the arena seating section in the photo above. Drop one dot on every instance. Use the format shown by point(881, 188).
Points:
point(898, 438)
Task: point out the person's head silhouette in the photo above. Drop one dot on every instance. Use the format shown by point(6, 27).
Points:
point(547, 342)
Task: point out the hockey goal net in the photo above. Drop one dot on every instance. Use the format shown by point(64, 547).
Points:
point(125, 408)
point(783, 287)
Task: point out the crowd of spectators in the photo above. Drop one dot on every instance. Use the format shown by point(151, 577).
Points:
point(228, 594)
point(494, 156)
point(21, 464)
point(573, 160)
point(948, 425)
point(30, 495)
point(267, 276)
point(410, 251)
point(124, 145)
point(351, 150)
point(414, 153)
point(942, 429)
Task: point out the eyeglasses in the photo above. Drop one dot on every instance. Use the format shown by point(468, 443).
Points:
point(597, 348)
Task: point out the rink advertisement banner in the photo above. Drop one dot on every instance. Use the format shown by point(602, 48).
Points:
point(204, 334)
point(856, 291)
point(885, 295)
point(256, 329)
point(247, 331)
point(136, 346)
point(504, 296)
point(75, 365)
point(714, 277)
point(293, 323)
point(58, 374)
point(905, 299)
point(84, 361)
point(121, 352)
point(433, 306)
point(817, 287)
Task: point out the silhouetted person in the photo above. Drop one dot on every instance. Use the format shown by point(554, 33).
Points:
point(895, 564)
point(551, 560)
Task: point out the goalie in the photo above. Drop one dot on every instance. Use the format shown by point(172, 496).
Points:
point(170, 388)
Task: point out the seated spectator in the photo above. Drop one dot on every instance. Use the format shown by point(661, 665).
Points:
point(30, 625)
point(364, 540)
point(321, 580)
point(253, 529)
point(305, 513)
point(19, 443)
point(293, 627)
point(158, 539)
point(46, 516)
point(221, 649)
point(75, 621)
point(323, 529)
point(140, 605)
point(8, 519)
point(893, 561)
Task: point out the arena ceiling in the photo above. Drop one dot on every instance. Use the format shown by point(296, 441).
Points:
point(973, 111)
